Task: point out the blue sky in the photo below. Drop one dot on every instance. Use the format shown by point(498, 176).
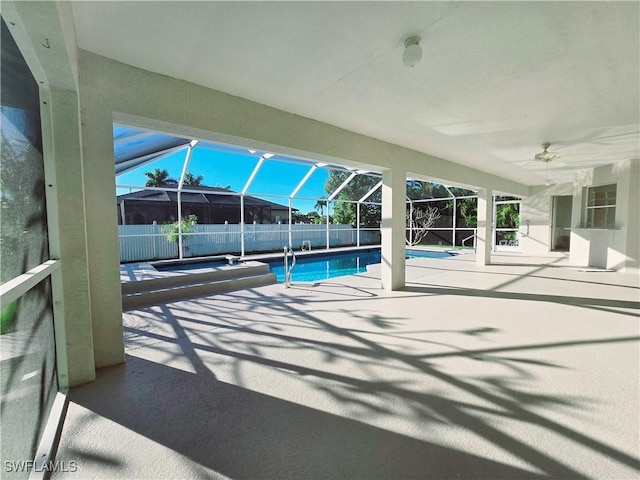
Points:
point(228, 169)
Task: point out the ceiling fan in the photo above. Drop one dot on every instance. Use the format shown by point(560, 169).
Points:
point(545, 156)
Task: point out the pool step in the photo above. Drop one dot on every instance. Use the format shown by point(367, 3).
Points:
point(166, 279)
point(178, 286)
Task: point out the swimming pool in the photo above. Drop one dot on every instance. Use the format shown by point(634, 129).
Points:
point(332, 265)
point(314, 267)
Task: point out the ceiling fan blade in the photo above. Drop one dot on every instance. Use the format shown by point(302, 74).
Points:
point(545, 156)
point(556, 163)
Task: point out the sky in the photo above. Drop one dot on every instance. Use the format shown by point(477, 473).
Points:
point(229, 169)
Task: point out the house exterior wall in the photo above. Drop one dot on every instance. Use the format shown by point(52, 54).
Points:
point(535, 219)
point(617, 248)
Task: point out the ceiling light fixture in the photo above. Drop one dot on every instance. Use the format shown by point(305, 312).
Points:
point(412, 52)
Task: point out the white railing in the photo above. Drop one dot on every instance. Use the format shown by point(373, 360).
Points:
point(148, 242)
point(288, 271)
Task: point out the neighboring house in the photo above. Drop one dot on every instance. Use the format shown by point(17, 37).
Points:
point(213, 205)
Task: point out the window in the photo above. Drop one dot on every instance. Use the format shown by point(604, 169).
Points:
point(506, 216)
point(601, 206)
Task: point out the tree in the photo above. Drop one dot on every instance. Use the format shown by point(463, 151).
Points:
point(191, 179)
point(172, 230)
point(158, 178)
point(297, 217)
point(417, 190)
point(345, 212)
point(508, 215)
point(313, 217)
point(420, 221)
point(468, 208)
point(320, 204)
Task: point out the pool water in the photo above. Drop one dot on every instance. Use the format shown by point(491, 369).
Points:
point(332, 265)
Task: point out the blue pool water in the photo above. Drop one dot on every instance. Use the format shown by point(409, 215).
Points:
point(322, 267)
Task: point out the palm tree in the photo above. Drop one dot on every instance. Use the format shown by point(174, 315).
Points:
point(191, 179)
point(320, 204)
point(158, 178)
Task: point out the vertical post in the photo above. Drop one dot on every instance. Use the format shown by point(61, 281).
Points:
point(362, 199)
point(327, 224)
point(179, 225)
point(185, 167)
point(494, 211)
point(358, 220)
point(122, 213)
point(242, 224)
point(410, 222)
point(455, 214)
point(394, 194)
point(485, 220)
point(290, 220)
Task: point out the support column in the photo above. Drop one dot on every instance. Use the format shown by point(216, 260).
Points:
point(101, 230)
point(485, 223)
point(67, 238)
point(394, 192)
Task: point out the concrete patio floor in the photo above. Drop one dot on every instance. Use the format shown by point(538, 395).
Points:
point(508, 371)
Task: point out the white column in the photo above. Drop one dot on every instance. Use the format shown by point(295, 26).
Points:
point(101, 230)
point(394, 193)
point(485, 221)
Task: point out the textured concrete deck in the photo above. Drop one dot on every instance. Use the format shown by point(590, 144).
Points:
point(497, 372)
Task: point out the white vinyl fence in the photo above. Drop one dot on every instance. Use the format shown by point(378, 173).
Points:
point(147, 242)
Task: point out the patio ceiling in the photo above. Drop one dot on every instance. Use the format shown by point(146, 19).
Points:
point(497, 80)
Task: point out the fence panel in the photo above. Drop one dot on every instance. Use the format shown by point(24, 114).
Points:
point(213, 240)
point(144, 242)
point(148, 242)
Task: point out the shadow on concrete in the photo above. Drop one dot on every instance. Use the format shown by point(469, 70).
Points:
point(241, 433)
point(244, 434)
point(603, 304)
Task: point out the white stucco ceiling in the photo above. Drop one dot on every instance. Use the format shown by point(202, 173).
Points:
point(496, 80)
